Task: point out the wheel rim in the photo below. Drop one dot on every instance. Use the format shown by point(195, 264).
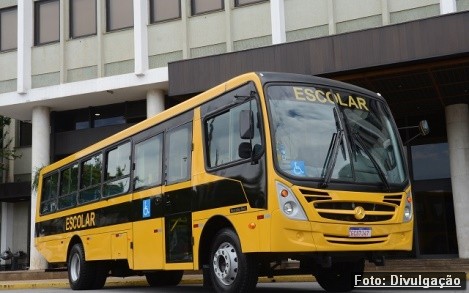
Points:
point(225, 263)
point(75, 267)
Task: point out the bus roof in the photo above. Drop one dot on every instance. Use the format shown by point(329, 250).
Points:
point(267, 77)
point(264, 77)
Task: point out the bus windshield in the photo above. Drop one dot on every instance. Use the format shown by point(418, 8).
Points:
point(330, 135)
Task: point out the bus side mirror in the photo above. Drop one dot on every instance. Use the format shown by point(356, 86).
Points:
point(246, 124)
point(244, 150)
point(424, 128)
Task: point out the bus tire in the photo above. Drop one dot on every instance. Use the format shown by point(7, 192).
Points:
point(340, 276)
point(230, 269)
point(164, 278)
point(102, 271)
point(81, 274)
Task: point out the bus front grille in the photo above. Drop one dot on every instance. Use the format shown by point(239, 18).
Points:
point(314, 195)
point(350, 211)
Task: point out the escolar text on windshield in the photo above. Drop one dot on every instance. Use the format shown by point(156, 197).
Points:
point(321, 96)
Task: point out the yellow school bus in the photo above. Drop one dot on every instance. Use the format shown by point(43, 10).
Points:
point(262, 169)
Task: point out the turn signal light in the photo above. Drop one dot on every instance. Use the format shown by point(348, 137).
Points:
point(284, 193)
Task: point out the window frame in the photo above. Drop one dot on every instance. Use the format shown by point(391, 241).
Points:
point(60, 195)
point(51, 200)
point(217, 113)
point(80, 178)
point(189, 125)
point(37, 22)
point(7, 9)
point(135, 165)
point(71, 18)
point(108, 20)
point(237, 4)
point(24, 136)
point(194, 13)
point(223, 108)
point(152, 16)
point(104, 177)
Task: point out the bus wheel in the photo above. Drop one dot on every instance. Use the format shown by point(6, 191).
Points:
point(81, 274)
point(230, 269)
point(164, 278)
point(102, 271)
point(340, 276)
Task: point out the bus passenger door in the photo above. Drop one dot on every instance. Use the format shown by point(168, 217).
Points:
point(177, 194)
point(148, 232)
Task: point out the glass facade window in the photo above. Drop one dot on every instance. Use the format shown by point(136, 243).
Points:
point(430, 161)
point(120, 14)
point(161, 10)
point(203, 6)
point(435, 223)
point(245, 2)
point(93, 117)
point(47, 21)
point(25, 134)
point(8, 29)
point(82, 18)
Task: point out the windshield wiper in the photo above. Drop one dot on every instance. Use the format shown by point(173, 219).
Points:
point(331, 158)
point(382, 176)
point(332, 152)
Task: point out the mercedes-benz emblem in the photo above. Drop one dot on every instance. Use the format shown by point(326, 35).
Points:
point(359, 213)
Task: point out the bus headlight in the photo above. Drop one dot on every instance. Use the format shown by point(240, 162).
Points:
point(408, 208)
point(289, 208)
point(289, 204)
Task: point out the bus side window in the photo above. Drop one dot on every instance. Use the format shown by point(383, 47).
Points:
point(223, 137)
point(148, 162)
point(117, 177)
point(178, 155)
point(49, 193)
point(68, 187)
point(91, 179)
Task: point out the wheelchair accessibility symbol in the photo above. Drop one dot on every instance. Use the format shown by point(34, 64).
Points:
point(146, 208)
point(298, 168)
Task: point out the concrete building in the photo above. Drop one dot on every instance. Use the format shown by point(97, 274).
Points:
point(75, 71)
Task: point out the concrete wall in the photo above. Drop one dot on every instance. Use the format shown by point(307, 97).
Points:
point(236, 28)
point(7, 3)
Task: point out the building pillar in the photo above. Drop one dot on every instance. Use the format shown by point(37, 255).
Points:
point(25, 43)
point(6, 236)
point(141, 36)
point(277, 19)
point(228, 26)
point(457, 128)
point(155, 102)
point(40, 154)
point(447, 6)
point(331, 17)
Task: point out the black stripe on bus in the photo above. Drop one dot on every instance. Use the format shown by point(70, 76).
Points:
point(202, 197)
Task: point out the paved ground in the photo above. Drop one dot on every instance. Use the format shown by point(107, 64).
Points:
point(58, 279)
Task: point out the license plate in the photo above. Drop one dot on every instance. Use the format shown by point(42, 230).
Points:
point(359, 232)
